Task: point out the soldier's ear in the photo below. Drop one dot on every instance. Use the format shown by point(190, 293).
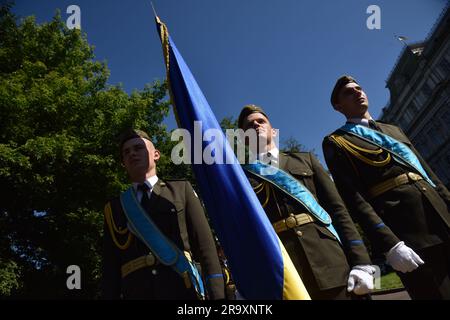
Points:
point(157, 155)
point(274, 132)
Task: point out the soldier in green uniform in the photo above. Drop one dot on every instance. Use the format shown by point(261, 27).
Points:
point(133, 270)
point(330, 268)
point(392, 193)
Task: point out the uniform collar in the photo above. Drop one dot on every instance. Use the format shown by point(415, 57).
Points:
point(361, 121)
point(274, 153)
point(150, 182)
point(270, 157)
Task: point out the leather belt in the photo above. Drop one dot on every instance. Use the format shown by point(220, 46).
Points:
point(294, 220)
point(138, 263)
point(392, 183)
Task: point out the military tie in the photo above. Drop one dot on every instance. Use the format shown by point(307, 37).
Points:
point(160, 220)
point(273, 160)
point(373, 125)
point(145, 200)
point(268, 158)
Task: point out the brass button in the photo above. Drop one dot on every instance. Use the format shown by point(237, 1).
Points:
point(424, 189)
point(299, 233)
point(291, 222)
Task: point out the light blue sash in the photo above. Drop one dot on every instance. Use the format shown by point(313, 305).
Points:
point(294, 188)
point(402, 153)
point(167, 253)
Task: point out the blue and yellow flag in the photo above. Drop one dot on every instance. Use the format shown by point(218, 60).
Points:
point(258, 260)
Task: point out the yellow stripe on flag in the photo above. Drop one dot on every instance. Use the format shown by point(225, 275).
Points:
point(293, 287)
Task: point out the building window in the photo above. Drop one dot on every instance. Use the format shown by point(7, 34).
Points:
point(413, 107)
point(426, 90)
point(431, 83)
point(435, 76)
point(403, 123)
point(420, 100)
point(444, 68)
point(407, 117)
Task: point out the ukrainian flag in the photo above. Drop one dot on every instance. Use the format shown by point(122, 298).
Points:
point(258, 260)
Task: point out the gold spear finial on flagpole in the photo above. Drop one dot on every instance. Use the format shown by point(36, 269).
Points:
point(154, 11)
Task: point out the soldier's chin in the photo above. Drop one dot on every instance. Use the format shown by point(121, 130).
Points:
point(362, 108)
point(139, 170)
point(262, 145)
point(262, 135)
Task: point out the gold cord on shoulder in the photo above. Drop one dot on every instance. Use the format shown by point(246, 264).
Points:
point(113, 229)
point(357, 151)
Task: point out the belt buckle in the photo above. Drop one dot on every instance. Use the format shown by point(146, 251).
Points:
point(150, 259)
point(291, 222)
point(413, 176)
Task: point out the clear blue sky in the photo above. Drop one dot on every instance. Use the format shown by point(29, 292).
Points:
point(283, 55)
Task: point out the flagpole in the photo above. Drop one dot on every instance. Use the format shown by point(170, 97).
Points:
point(154, 11)
point(238, 206)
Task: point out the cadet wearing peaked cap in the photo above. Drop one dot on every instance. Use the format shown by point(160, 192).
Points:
point(133, 267)
point(392, 193)
point(328, 267)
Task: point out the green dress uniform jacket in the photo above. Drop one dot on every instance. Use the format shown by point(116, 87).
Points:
point(178, 213)
point(323, 263)
point(416, 212)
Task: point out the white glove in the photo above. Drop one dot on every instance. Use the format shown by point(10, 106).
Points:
point(402, 258)
point(360, 279)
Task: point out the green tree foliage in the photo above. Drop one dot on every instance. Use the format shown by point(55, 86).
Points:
point(228, 123)
point(291, 144)
point(59, 163)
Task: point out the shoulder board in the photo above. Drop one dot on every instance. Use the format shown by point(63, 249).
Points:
point(170, 181)
point(112, 199)
point(295, 153)
point(336, 132)
point(173, 180)
point(389, 124)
